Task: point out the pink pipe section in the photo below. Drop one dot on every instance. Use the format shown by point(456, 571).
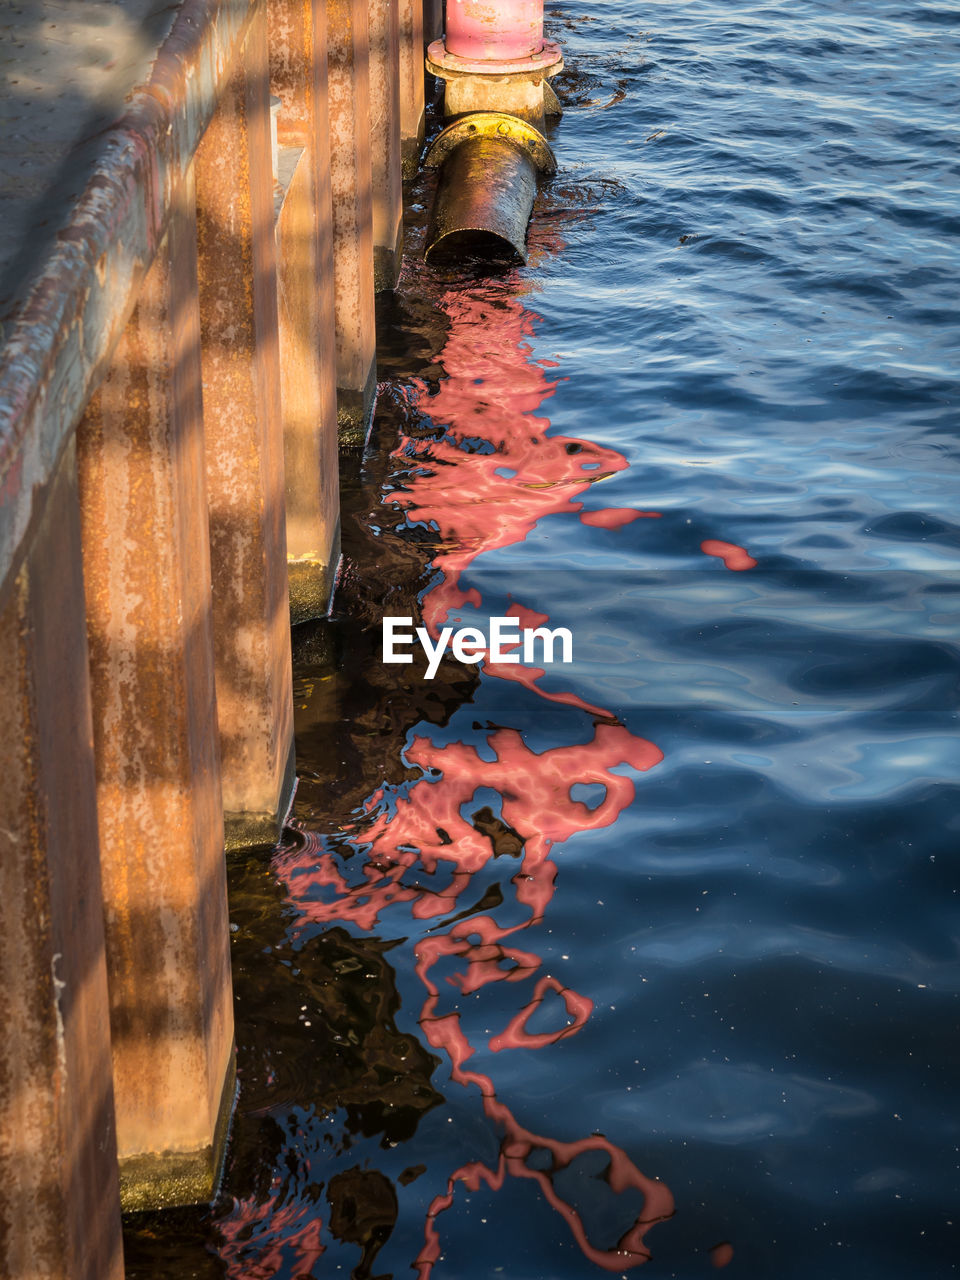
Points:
point(494, 30)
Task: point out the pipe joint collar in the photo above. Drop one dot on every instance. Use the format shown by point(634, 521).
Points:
point(545, 61)
point(500, 127)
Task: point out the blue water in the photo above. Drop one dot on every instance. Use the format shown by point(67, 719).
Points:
point(739, 310)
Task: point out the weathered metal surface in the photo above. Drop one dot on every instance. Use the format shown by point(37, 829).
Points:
point(59, 1201)
point(494, 29)
point(484, 200)
point(498, 126)
point(298, 72)
point(519, 87)
point(67, 317)
point(522, 94)
point(412, 117)
point(243, 432)
point(441, 57)
point(309, 404)
point(147, 579)
point(325, 471)
point(385, 152)
point(348, 64)
point(432, 20)
point(495, 66)
point(291, 28)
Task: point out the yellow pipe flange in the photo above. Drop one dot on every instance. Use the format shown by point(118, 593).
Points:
point(498, 125)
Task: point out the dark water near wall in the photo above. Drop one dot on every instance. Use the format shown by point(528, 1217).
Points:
point(656, 951)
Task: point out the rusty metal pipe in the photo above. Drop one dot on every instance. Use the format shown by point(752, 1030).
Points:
point(489, 162)
point(495, 65)
point(484, 201)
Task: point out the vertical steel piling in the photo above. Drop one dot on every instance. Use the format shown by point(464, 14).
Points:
point(412, 105)
point(308, 370)
point(243, 435)
point(348, 64)
point(149, 622)
point(174, 384)
point(385, 142)
point(59, 1200)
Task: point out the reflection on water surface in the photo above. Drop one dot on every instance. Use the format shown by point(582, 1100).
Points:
point(561, 967)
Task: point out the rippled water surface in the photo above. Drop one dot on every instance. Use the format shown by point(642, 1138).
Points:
point(650, 958)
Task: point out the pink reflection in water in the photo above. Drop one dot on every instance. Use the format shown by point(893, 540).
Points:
point(721, 1255)
point(484, 501)
point(616, 517)
point(485, 486)
point(480, 501)
point(293, 1236)
point(733, 557)
point(427, 827)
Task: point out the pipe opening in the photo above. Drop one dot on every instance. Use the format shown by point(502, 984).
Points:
point(474, 242)
point(484, 200)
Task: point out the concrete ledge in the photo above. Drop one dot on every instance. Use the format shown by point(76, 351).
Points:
point(69, 318)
